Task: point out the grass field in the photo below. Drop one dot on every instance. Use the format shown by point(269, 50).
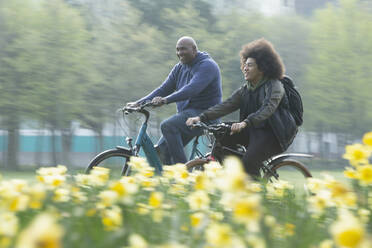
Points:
point(291, 176)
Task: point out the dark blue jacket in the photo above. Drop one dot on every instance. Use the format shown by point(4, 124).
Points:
point(196, 85)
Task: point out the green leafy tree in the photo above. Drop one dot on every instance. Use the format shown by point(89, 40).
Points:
point(338, 88)
point(44, 68)
point(16, 27)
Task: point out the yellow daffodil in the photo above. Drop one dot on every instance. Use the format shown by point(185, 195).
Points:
point(84, 180)
point(138, 163)
point(217, 216)
point(320, 201)
point(142, 209)
point(367, 139)
point(137, 241)
point(315, 184)
point(289, 229)
point(147, 183)
point(61, 195)
point(278, 188)
point(177, 189)
point(79, 197)
point(347, 231)
point(364, 214)
point(156, 199)
point(357, 154)
point(219, 235)
point(364, 174)
point(37, 194)
point(42, 232)
point(247, 209)
point(157, 215)
point(212, 169)
point(198, 200)
point(326, 244)
point(107, 198)
point(255, 242)
point(181, 174)
point(147, 171)
point(202, 182)
point(234, 178)
point(123, 187)
point(18, 185)
point(11, 199)
point(52, 176)
point(112, 218)
point(196, 219)
point(337, 188)
point(350, 173)
point(100, 175)
point(8, 224)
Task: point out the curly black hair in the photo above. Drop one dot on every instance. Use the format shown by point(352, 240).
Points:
point(267, 59)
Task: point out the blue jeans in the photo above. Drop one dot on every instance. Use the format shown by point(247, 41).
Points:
point(176, 135)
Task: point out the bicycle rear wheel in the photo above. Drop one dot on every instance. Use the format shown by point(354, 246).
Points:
point(289, 170)
point(115, 159)
point(196, 164)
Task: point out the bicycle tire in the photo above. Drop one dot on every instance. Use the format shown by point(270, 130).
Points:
point(113, 153)
point(278, 169)
point(196, 164)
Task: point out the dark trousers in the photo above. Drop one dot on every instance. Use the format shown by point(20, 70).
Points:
point(260, 143)
point(176, 135)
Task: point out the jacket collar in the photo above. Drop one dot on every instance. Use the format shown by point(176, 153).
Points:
point(252, 87)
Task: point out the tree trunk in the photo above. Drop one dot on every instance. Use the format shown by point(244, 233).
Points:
point(12, 162)
point(67, 136)
point(100, 142)
point(54, 156)
point(38, 155)
point(13, 148)
point(308, 142)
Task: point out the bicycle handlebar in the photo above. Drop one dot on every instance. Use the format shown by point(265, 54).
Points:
point(139, 108)
point(220, 128)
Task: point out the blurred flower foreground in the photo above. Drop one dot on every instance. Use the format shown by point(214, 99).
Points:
point(218, 207)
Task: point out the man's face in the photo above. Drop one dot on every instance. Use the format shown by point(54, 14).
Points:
point(251, 71)
point(186, 52)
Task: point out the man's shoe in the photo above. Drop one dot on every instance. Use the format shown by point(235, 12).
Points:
point(160, 154)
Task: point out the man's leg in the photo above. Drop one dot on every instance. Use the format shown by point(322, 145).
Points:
point(262, 145)
point(177, 134)
point(231, 141)
point(163, 152)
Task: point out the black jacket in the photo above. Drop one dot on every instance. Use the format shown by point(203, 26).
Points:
point(265, 105)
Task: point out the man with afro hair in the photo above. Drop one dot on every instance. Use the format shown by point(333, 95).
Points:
point(266, 127)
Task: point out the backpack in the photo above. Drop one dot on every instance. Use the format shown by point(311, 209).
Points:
point(294, 99)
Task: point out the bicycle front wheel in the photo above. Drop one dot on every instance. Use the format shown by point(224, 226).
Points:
point(289, 170)
point(115, 159)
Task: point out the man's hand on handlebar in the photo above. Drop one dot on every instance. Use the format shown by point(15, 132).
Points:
point(131, 105)
point(237, 127)
point(192, 120)
point(158, 101)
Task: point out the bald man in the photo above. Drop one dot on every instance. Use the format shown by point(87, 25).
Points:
point(194, 84)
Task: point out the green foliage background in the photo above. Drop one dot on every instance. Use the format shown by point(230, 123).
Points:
point(72, 60)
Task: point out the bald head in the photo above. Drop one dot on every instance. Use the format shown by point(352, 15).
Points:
point(188, 40)
point(186, 49)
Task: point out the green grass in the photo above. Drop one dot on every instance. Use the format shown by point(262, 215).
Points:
point(291, 176)
point(26, 175)
point(295, 178)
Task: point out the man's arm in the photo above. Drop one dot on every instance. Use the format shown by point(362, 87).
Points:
point(206, 73)
point(226, 107)
point(166, 88)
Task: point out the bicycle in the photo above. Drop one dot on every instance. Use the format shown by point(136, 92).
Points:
point(272, 169)
point(122, 154)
